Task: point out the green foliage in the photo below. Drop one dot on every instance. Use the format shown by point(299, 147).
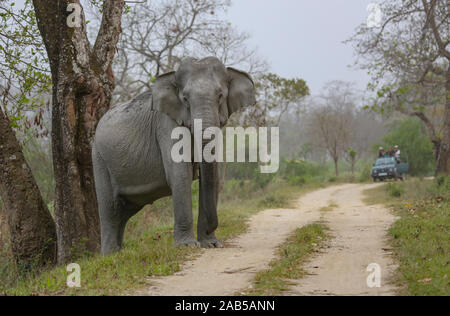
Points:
point(365, 172)
point(410, 136)
point(332, 179)
point(38, 156)
point(299, 171)
point(277, 93)
point(24, 68)
point(395, 190)
point(261, 180)
point(272, 200)
point(352, 153)
point(443, 183)
point(288, 90)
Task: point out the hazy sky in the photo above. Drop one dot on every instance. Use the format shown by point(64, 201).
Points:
point(303, 38)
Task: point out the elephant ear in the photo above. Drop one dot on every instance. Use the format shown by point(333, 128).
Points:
point(166, 100)
point(241, 91)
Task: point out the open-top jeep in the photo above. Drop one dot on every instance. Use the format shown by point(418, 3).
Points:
point(389, 168)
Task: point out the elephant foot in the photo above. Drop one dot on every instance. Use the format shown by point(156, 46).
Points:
point(187, 243)
point(211, 243)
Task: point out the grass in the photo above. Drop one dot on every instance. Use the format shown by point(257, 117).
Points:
point(421, 236)
point(332, 205)
point(148, 247)
point(292, 254)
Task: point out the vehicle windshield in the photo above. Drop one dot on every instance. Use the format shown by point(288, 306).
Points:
point(385, 161)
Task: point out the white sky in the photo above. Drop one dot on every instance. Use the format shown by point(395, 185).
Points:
point(303, 38)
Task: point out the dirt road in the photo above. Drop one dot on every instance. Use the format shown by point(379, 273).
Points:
point(359, 233)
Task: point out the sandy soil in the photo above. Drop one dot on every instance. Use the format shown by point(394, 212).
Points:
point(359, 233)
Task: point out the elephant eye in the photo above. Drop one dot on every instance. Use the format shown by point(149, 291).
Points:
point(186, 101)
point(220, 98)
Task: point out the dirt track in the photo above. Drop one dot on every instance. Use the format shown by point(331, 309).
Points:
point(359, 233)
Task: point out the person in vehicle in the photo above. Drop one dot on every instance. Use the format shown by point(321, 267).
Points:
point(397, 154)
point(391, 152)
point(381, 152)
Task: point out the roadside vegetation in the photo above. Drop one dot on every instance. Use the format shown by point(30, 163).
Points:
point(277, 279)
point(421, 236)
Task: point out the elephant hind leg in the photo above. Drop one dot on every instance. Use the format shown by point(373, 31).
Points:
point(109, 207)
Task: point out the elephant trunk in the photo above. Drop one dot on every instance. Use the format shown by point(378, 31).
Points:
point(209, 193)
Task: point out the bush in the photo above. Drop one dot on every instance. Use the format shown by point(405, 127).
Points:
point(365, 174)
point(272, 201)
point(395, 190)
point(332, 179)
point(296, 180)
point(294, 170)
point(262, 180)
point(443, 182)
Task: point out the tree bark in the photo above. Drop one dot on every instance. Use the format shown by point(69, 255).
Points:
point(336, 166)
point(443, 159)
point(83, 84)
point(31, 227)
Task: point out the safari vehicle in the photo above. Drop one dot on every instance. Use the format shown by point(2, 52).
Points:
point(389, 168)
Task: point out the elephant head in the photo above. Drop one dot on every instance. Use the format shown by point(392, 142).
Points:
point(204, 90)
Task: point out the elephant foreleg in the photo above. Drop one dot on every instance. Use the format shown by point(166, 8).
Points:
point(183, 218)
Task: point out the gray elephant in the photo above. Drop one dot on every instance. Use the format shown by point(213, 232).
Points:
point(132, 150)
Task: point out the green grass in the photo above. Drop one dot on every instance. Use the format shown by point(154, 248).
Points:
point(292, 254)
point(421, 236)
point(148, 247)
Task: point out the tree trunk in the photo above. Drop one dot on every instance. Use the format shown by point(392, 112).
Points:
point(336, 166)
point(31, 227)
point(83, 84)
point(4, 231)
point(443, 159)
point(353, 167)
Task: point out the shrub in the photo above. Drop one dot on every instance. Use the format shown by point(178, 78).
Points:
point(272, 201)
point(296, 180)
point(332, 179)
point(262, 180)
point(291, 169)
point(365, 174)
point(395, 190)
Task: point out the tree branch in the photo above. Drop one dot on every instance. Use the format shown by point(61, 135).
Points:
point(109, 33)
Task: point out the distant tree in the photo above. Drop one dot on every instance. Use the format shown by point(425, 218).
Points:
point(409, 60)
point(276, 96)
point(352, 156)
point(410, 135)
point(331, 120)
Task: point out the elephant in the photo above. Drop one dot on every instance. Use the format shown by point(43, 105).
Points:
point(131, 151)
